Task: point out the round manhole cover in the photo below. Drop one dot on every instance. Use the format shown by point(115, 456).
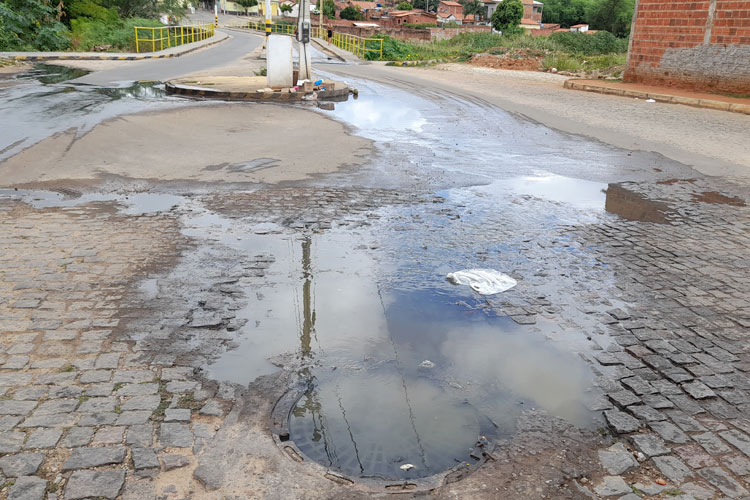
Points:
point(379, 424)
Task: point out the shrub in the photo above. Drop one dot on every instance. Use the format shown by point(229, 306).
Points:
point(507, 15)
point(352, 13)
point(88, 33)
point(405, 6)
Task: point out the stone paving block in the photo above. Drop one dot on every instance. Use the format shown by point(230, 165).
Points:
point(740, 440)
point(686, 404)
point(28, 488)
point(624, 398)
point(66, 378)
point(638, 385)
point(737, 464)
point(50, 420)
point(133, 417)
point(21, 464)
point(650, 445)
point(10, 407)
point(91, 484)
point(15, 362)
point(650, 488)
point(64, 391)
point(133, 376)
point(140, 435)
point(685, 421)
point(724, 482)
point(77, 436)
point(138, 389)
point(56, 406)
point(669, 432)
point(177, 415)
point(180, 386)
point(612, 486)
point(83, 458)
point(175, 435)
point(148, 402)
point(699, 390)
point(11, 442)
point(171, 461)
point(617, 460)
point(695, 456)
point(97, 419)
point(672, 468)
point(43, 438)
point(102, 389)
point(108, 360)
point(109, 435)
point(95, 376)
point(711, 443)
point(30, 393)
point(144, 458)
point(697, 491)
point(646, 413)
point(98, 405)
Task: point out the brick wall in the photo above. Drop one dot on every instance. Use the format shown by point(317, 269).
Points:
point(702, 45)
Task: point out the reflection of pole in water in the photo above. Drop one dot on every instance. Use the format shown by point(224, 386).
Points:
point(308, 313)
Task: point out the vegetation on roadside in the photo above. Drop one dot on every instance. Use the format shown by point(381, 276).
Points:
point(463, 46)
point(79, 24)
point(609, 15)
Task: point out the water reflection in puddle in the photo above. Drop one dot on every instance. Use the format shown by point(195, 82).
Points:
point(412, 373)
point(131, 204)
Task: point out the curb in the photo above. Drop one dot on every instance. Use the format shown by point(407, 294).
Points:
point(671, 99)
point(227, 95)
point(90, 57)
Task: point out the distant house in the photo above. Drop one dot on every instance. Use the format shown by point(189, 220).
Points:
point(444, 18)
point(579, 28)
point(416, 16)
point(453, 8)
point(532, 12)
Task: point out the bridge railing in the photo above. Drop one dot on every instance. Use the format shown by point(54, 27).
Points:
point(149, 39)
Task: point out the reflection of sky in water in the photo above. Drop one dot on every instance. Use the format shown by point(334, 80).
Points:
point(131, 204)
point(373, 114)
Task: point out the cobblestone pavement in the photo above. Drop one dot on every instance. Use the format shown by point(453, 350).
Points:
point(103, 395)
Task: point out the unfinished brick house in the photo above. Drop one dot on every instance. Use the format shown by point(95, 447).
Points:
point(702, 45)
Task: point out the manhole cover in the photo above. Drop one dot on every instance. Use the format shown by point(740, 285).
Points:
point(377, 423)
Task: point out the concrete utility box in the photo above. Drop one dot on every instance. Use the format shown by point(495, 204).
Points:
point(279, 61)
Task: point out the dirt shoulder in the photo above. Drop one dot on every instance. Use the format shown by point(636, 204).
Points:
point(713, 142)
point(228, 143)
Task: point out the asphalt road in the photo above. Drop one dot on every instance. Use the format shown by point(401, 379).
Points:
point(238, 46)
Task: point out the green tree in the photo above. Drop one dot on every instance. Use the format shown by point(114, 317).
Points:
point(507, 15)
point(351, 13)
point(565, 12)
point(246, 4)
point(405, 6)
point(427, 5)
point(285, 7)
point(611, 15)
point(134, 8)
point(474, 7)
point(329, 9)
point(32, 24)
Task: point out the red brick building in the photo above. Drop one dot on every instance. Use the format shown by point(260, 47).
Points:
point(451, 8)
point(703, 45)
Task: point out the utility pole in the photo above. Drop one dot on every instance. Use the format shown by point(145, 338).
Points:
point(303, 37)
point(268, 19)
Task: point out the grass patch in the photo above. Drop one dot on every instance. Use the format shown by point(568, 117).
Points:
point(67, 368)
point(601, 50)
point(578, 62)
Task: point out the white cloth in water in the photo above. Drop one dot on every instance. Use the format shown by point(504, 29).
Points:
point(484, 281)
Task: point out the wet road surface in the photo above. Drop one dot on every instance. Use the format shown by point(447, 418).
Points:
point(392, 371)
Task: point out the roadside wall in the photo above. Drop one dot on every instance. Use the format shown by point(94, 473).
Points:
point(701, 45)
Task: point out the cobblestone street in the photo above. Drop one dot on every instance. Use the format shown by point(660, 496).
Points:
point(180, 338)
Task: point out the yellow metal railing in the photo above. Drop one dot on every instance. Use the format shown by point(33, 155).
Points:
point(284, 29)
point(361, 47)
point(153, 39)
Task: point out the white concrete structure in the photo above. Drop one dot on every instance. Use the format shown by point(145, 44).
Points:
point(279, 58)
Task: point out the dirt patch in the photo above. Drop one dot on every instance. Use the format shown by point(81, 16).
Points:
point(518, 59)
